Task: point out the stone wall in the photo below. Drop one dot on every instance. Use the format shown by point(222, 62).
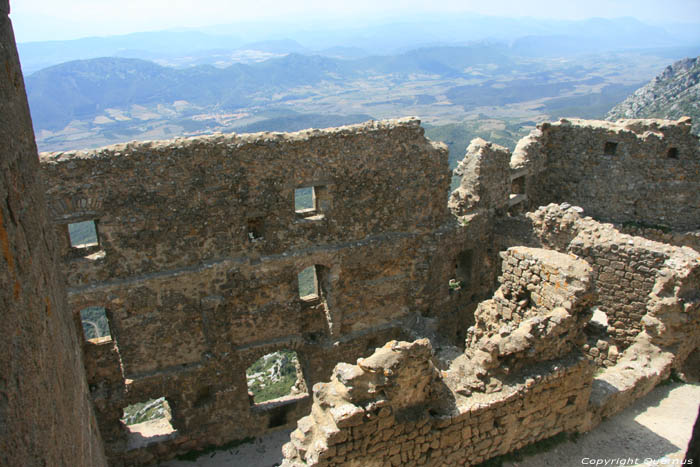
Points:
point(395, 408)
point(626, 269)
point(637, 171)
point(45, 414)
point(522, 378)
point(199, 247)
point(199, 242)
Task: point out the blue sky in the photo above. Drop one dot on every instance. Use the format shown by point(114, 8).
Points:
point(51, 19)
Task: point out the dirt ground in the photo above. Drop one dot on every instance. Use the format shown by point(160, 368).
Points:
point(653, 431)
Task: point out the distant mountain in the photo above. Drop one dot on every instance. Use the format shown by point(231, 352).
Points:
point(150, 45)
point(85, 88)
point(672, 94)
point(223, 45)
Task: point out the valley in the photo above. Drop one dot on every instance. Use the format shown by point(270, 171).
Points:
point(485, 89)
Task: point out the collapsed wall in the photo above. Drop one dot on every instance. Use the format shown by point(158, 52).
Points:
point(632, 276)
point(524, 375)
point(195, 260)
point(395, 408)
point(45, 414)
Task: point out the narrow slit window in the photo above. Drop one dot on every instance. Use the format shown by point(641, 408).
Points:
point(308, 283)
point(463, 270)
point(610, 148)
point(274, 376)
point(95, 323)
point(83, 234)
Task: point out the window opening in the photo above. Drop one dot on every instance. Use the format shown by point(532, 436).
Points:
point(672, 153)
point(83, 234)
point(148, 422)
point(304, 199)
point(310, 202)
point(95, 323)
point(308, 283)
point(463, 270)
point(275, 376)
point(255, 229)
point(610, 148)
point(518, 186)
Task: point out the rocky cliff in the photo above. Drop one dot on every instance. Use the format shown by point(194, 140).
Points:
point(674, 93)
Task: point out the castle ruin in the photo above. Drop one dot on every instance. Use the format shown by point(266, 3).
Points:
point(469, 313)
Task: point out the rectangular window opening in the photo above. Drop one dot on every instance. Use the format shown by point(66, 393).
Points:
point(310, 202)
point(518, 186)
point(275, 376)
point(95, 324)
point(148, 422)
point(255, 229)
point(463, 271)
point(83, 234)
point(304, 199)
point(610, 148)
point(307, 281)
point(672, 153)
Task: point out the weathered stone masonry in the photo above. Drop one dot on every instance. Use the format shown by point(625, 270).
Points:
point(199, 247)
point(194, 296)
point(46, 418)
point(636, 171)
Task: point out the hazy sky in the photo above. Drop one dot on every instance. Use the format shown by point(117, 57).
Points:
point(68, 19)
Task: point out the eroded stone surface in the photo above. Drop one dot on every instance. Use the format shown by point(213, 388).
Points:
point(45, 412)
point(200, 245)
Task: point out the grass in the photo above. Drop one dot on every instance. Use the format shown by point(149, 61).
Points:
point(144, 411)
point(264, 387)
point(307, 282)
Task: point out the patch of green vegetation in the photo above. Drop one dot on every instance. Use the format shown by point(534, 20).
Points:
point(272, 376)
point(530, 450)
point(144, 411)
point(192, 456)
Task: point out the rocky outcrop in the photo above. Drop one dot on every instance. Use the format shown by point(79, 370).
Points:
point(673, 94)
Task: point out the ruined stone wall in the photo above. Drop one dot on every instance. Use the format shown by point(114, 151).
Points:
point(395, 408)
point(376, 433)
point(199, 250)
point(46, 417)
point(625, 268)
point(633, 171)
point(522, 376)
